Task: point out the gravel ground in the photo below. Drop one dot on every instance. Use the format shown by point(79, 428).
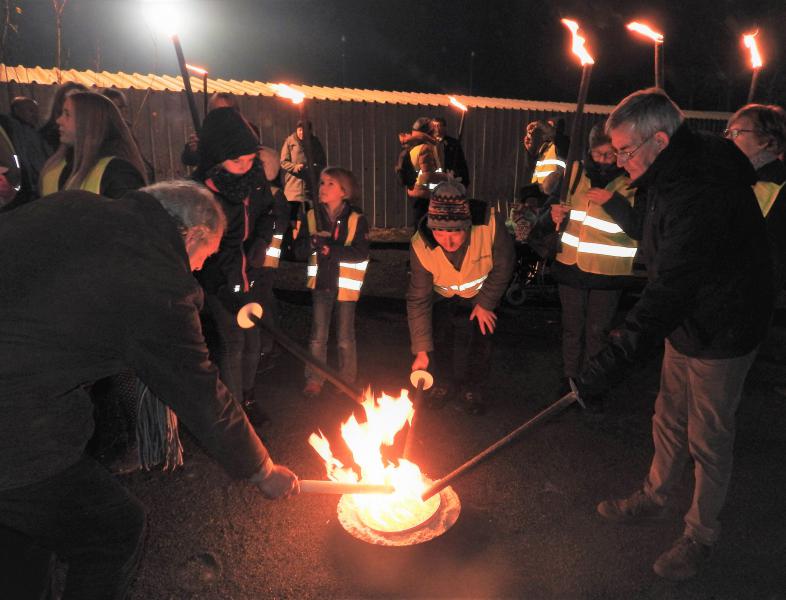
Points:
point(527, 527)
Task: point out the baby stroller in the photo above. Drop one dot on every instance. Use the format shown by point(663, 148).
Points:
point(530, 276)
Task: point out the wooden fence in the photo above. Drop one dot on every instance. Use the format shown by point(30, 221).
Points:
point(361, 136)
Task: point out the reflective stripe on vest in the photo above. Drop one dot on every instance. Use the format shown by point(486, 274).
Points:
point(475, 268)
point(273, 252)
point(50, 180)
point(592, 240)
point(350, 274)
point(548, 163)
point(766, 193)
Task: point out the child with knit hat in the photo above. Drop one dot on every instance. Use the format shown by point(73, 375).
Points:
point(461, 259)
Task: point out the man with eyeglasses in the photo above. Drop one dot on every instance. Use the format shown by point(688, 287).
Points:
point(702, 237)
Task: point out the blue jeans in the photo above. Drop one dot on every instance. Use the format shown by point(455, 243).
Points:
point(83, 515)
point(322, 302)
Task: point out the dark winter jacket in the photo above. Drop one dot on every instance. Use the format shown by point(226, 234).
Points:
point(421, 294)
point(252, 220)
point(703, 241)
point(775, 172)
point(109, 290)
point(453, 159)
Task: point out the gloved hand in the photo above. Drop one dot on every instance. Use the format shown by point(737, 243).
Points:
point(280, 483)
point(232, 301)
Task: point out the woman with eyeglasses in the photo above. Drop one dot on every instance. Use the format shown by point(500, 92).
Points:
point(595, 259)
point(760, 132)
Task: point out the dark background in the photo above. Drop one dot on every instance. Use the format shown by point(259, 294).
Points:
point(521, 50)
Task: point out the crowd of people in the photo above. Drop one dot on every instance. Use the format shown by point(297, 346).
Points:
point(87, 238)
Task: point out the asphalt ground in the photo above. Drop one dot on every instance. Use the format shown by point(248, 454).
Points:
point(527, 528)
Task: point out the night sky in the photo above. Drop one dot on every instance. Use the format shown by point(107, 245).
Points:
point(520, 48)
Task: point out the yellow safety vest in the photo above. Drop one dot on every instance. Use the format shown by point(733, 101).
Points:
point(766, 193)
point(592, 240)
point(477, 264)
point(350, 274)
point(92, 183)
point(548, 162)
point(273, 252)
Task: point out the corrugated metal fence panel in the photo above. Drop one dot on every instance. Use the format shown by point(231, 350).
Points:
point(359, 135)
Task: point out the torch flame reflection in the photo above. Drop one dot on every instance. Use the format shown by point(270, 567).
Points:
point(749, 39)
point(578, 43)
point(457, 104)
point(285, 91)
point(645, 30)
point(385, 417)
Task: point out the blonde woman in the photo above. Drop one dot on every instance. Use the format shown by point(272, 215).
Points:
point(97, 152)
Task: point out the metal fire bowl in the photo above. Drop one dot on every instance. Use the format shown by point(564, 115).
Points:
point(443, 519)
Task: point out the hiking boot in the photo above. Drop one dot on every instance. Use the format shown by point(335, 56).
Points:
point(683, 560)
point(638, 507)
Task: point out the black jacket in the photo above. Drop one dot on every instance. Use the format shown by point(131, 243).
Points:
point(90, 287)
point(702, 238)
point(455, 160)
point(775, 172)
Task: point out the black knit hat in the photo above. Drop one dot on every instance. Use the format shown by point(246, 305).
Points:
point(448, 208)
point(225, 135)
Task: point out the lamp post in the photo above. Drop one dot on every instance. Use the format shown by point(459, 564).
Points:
point(586, 72)
point(657, 40)
point(749, 40)
point(203, 73)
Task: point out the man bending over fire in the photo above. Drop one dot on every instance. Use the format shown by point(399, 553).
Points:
point(89, 287)
point(461, 259)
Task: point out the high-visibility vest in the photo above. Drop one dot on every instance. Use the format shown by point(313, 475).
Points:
point(273, 252)
point(426, 180)
point(50, 180)
point(350, 274)
point(548, 162)
point(592, 240)
point(477, 264)
point(766, 193)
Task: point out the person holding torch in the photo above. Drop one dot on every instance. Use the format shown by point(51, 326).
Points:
point(708, 299)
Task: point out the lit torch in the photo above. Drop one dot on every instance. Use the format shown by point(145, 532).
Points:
point(463, 110)
point(297, 98)
point(586, 71)
point(749, 39)
point(657, 40)
point(203, 73)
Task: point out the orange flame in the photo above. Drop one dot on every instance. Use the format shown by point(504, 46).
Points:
point(646, 30)
point(385, 417)
point(285, 91)
point(197, 70)
point(457, 104)
point(578, 43)
point(749, 39)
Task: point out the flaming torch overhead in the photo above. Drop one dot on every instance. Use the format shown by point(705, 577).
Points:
point(586, 71)
point(749, 39)
point(657, 40)
point(463, 110)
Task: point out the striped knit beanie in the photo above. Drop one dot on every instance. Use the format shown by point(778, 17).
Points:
point(448, 208)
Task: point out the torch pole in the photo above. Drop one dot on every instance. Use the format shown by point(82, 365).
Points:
point(575, 129)
point(461, 125)
point(313, 178)
point(546, 413)
point(298, 352)
point(659, 65)
point(754, 83)
point(181, 60)
point(204, 92)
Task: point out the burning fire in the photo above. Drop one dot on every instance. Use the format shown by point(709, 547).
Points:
point(195, 69)
point(385, 417)
point(749, 39)
point(578, 43)
point(457, 104)
point(646, 30)
point(285, 91)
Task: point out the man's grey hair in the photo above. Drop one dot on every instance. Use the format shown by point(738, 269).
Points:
point(649, 111)
point(190, 203)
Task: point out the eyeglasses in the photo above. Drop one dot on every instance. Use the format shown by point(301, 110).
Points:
point(603, 155)
point(626, 156)
point(732, 134)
